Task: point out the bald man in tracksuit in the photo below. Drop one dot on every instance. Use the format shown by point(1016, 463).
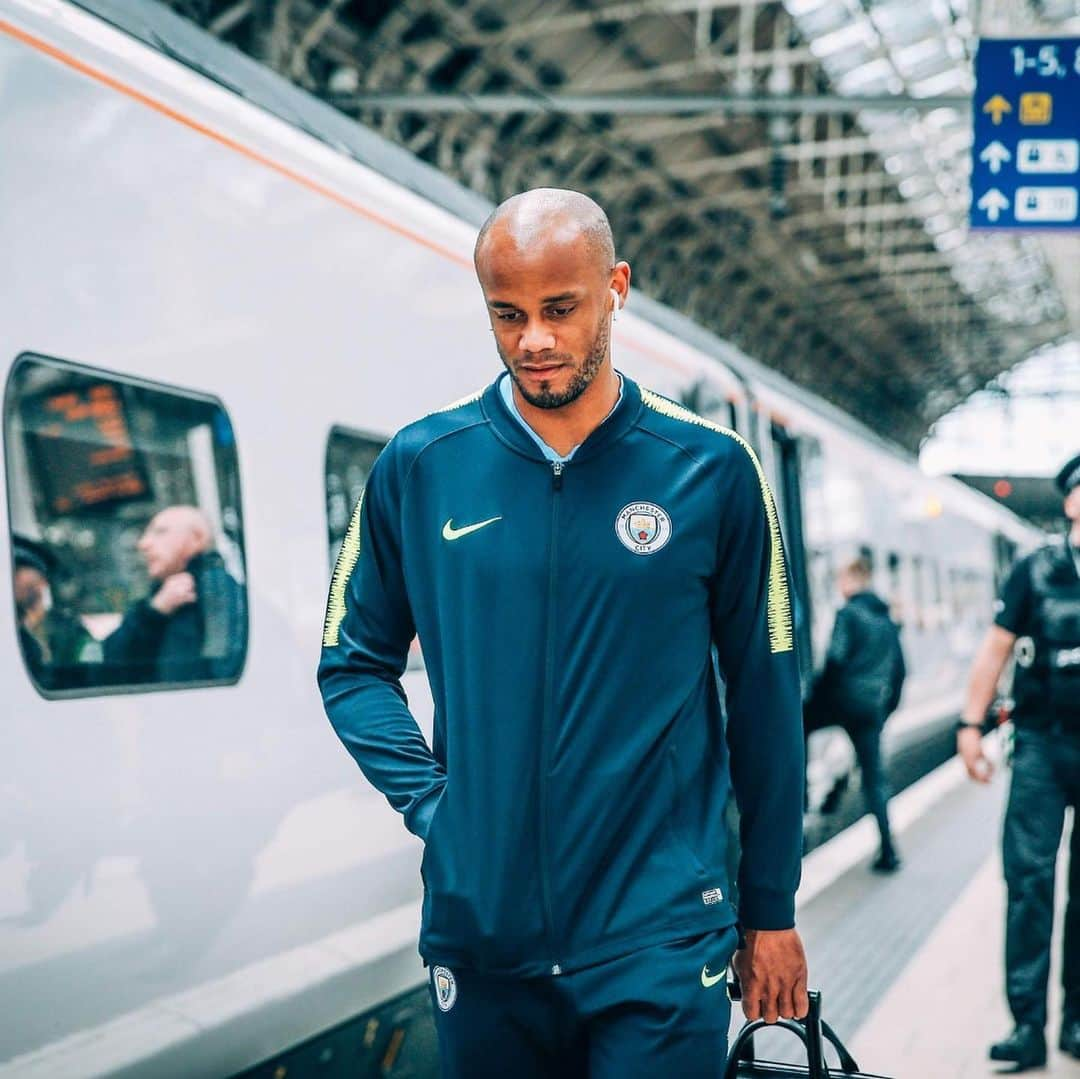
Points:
point(570, 547)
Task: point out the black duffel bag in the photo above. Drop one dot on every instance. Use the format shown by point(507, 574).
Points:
point(812, 1031)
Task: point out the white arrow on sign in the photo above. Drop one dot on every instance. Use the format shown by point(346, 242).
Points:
point(995, 155)
point(993, 202)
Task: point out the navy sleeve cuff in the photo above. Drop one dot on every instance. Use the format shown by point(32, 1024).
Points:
point(763, 908)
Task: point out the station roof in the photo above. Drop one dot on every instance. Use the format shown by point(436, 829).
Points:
point(825, 236)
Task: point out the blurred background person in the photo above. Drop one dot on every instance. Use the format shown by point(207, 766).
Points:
point(859, 688)
point(30, 587)
point(1038, 616)
point(191, 625)
point(56, 645)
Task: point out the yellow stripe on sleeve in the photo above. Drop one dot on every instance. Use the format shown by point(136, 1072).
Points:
point(343, 568)
point(349, 554)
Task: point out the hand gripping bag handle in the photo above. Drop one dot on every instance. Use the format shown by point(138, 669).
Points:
point(810, 1031)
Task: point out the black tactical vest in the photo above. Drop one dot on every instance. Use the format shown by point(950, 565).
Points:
point(1053, 671)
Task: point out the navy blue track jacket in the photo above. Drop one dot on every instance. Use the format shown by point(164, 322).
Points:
point(572, 801)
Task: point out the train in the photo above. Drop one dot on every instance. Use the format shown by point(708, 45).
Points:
point(222, 294)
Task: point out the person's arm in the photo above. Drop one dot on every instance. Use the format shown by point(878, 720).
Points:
point(840, 643)
point(899, 674)
point(989, 662)
point(366, 639)
point(827, 697)
point(1012, 612)
point(751, 619)
point(137, 638)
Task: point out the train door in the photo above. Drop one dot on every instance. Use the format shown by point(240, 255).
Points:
point(788, 485)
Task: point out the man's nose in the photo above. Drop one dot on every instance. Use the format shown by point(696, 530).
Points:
point(536, 337)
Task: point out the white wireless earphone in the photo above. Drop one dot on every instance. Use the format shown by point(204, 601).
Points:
point(616, 303)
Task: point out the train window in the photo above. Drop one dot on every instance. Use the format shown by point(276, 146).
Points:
point(349, 457)
point(818, 541)
point(936, 616)
point(918, 591)
point(956, 599)
point(126, 532)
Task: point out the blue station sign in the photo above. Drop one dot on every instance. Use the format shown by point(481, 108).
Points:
point(1026, 154)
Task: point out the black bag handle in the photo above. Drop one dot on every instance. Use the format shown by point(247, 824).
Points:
point(810, 1031)
point(847, 1061)
point(745, 1037)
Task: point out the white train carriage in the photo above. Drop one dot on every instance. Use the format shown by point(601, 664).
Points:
point(219, 292)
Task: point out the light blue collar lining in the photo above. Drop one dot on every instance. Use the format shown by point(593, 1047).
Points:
point(506, 388)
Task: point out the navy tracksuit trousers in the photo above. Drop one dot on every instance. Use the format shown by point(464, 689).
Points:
point(660, 1011)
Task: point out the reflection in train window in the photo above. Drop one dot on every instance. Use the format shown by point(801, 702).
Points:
point(349, 457)
point(126, 532)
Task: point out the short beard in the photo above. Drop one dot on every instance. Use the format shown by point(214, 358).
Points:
point(579, 383)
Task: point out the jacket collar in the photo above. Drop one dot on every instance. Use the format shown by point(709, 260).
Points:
point(617, 424)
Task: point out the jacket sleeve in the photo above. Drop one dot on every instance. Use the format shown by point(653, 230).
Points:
point(137, 638)
point(366, 639)
point(899, 674)
point(840, 643)
point(754, 638)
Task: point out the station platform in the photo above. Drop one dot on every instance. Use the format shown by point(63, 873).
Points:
point(910, 966)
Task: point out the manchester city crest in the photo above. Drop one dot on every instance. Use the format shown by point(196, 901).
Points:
point(445, 987)
point(643, 527)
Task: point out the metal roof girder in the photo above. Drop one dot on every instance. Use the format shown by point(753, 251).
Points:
point(231, 17)
point(569, 22)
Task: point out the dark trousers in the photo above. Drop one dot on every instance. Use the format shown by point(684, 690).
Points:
point(866, 738)
point(660, 1011)
point(1045, 779)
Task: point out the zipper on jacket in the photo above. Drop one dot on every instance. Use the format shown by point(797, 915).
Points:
point(549, 695)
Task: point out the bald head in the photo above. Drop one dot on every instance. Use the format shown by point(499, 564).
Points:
point(548, 216)
point(173, 538)
point(546, 263)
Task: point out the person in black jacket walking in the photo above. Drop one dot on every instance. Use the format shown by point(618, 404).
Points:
point(861, 683)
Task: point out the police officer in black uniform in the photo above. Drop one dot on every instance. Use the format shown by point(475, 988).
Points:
point(1038, 618)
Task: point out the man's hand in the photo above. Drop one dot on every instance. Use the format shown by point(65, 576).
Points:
point(772, 972)
point(175, 592)
point(969, 746)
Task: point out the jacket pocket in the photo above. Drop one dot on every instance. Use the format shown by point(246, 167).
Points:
point(680, 833)
point(430, 849)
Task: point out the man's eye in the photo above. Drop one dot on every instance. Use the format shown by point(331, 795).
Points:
point(507, 316)
point(562, 312)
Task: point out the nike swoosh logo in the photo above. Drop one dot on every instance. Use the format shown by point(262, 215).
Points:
point(708, 980)
point(449, 532)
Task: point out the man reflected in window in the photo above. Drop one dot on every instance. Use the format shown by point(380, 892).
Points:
point(190, 627)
